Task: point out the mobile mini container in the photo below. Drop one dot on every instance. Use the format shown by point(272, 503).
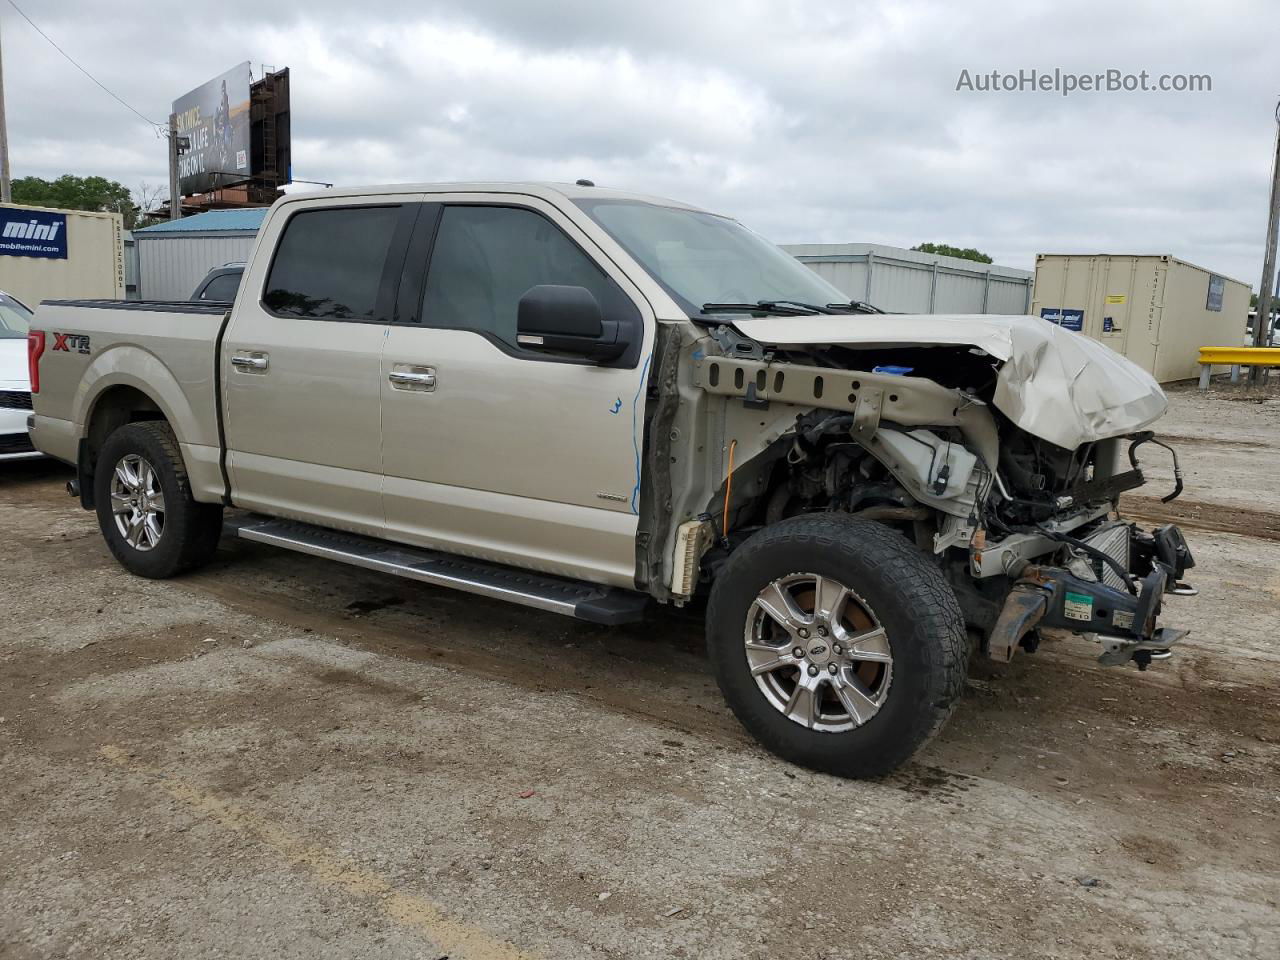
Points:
point(1156, 310)
point(52, 254)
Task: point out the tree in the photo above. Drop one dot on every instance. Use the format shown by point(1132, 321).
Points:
point(146, 198)
point(946, 250)
point(77, 193)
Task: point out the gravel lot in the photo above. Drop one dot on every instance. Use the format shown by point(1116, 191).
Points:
point(279, 756)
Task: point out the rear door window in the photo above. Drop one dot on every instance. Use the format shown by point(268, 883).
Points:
point(329, 263)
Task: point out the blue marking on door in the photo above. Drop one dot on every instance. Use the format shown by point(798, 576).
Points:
point(636, 431)
point(617, 405)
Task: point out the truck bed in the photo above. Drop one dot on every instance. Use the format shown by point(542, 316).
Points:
point(166, 350)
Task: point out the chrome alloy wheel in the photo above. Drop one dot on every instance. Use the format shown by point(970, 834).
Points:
point(818, 653)
point(137, 502)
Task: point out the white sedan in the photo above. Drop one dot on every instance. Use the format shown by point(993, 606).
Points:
point(15, 386)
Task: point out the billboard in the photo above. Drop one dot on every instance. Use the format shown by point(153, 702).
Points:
point(214, 117)
point(33, 233)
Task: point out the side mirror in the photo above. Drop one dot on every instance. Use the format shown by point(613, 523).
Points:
point(561, 319)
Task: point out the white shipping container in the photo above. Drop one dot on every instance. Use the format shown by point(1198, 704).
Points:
point(93, 267)
point(906, 281)
point(1156, 310)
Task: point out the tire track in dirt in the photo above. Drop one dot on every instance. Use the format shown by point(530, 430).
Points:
point(1178, 438)
point(1205, 516)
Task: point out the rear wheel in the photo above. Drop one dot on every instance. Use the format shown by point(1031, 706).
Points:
point(836, 643)
point(146, 512)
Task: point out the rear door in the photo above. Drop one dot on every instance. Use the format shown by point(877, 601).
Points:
point(495, 451)
point(1113, 300)
point(301, 362)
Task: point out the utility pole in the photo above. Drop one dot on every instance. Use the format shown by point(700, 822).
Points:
point(6, 193)
point(1262, 324)
point(175, 201)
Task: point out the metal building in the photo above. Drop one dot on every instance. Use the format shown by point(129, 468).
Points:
point(904, 281)
point(1156, 310)
point(130, 267)
point(52, 254)
point(174, 256)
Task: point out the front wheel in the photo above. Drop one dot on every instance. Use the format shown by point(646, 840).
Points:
point(836, 643)
point(151, 523)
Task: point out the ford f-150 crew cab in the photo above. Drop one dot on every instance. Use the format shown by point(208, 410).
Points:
point(586, 401)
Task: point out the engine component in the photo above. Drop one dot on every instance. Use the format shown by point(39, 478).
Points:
point(940, 466)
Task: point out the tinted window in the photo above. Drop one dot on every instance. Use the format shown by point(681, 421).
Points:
point(486, 258)
point(329, 263)
point(222, 287)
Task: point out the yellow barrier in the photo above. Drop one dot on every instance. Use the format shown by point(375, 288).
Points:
point(1235, 357)
point(1245, 356)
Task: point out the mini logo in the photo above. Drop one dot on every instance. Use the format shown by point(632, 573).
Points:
point(818, 649)
point(32, 231)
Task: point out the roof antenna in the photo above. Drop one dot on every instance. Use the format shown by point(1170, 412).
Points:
point(584, 182)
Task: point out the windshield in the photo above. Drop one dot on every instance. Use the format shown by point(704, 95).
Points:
point(15, 319)
point(701, 258)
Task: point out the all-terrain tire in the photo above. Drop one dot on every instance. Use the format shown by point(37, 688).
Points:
point(190, 531)
point(912, 602)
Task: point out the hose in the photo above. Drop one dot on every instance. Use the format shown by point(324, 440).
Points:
point(1149, 437)
point(728, 487)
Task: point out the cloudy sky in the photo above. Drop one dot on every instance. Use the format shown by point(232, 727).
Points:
point(811, 122)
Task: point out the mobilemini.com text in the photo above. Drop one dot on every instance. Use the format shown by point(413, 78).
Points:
point(1065, 83)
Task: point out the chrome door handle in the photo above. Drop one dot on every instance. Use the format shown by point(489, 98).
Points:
point(413, 379)
point(242, 362)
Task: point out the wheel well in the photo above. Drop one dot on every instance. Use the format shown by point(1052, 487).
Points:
point(116, 407)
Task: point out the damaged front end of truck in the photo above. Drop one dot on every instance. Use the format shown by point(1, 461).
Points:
point(999, 445)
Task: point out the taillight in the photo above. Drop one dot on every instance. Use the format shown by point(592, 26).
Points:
point(35, 347)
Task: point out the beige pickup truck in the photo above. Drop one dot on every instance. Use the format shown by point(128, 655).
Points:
point(585, 401)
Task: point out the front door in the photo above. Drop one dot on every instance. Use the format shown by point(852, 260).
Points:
point(499, 452)
point(301, 365)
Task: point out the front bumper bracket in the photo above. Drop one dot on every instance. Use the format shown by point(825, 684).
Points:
point(1124, 623)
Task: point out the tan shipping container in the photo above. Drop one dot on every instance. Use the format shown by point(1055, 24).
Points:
point(92, 269)
point(1156, 310)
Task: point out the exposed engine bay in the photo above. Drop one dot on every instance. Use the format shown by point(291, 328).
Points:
point(934, 441)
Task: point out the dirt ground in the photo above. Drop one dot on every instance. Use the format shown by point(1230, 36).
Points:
point(280, 756)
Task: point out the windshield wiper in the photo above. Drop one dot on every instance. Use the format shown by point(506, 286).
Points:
point(791, 308)
point(782, 308)
point(854, 306)
point(812, 307)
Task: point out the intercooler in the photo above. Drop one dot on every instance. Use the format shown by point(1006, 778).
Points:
point(1112, 540)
